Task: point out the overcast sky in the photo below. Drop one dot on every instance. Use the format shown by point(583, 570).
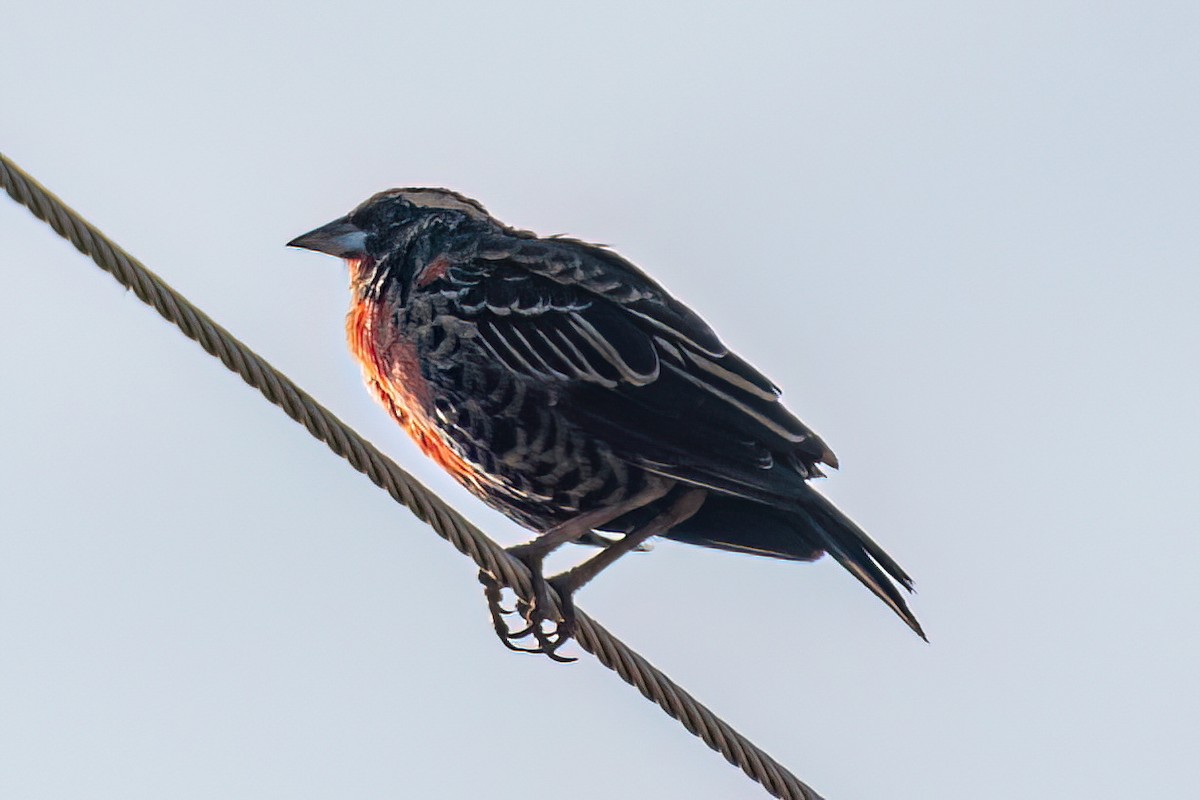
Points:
point(963, 237)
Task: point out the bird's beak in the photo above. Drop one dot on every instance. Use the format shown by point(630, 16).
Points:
point(339, 238)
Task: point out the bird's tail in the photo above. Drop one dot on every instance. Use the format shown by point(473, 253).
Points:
point(801, 531)
point(851, 547)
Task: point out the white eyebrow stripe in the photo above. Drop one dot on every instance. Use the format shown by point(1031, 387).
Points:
point(445, 199)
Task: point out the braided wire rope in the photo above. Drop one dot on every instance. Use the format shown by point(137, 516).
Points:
point(387, 475)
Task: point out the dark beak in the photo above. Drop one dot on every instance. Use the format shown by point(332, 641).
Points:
point(339, 238)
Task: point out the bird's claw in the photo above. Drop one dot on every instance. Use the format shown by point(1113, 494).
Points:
point(547, 641)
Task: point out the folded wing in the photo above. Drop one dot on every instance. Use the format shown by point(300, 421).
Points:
point(636, 367)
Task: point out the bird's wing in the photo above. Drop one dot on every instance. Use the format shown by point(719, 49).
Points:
point(636, 367)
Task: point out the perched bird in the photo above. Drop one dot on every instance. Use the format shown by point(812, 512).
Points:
point(564, 387)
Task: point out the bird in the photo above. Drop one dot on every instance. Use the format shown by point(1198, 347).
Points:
point(566, 388)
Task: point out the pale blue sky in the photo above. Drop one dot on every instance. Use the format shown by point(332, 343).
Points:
point(962, 237)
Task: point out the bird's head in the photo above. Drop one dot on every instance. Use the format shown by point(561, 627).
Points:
point(389, 219)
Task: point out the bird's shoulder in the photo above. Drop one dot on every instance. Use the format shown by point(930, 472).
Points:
point(507, 273)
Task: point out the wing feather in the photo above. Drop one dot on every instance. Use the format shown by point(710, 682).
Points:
point(635, 366)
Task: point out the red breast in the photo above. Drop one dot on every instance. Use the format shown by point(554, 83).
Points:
point(393, 374)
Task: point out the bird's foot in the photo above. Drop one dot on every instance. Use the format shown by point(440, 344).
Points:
point(548, 632)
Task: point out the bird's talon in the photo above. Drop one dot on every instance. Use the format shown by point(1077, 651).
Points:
point(516, 648)
point(548, 634)
point(521, 634)
point(549, 642)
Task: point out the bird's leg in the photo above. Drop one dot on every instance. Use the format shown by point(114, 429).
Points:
point(565, 584)
point(532, 554)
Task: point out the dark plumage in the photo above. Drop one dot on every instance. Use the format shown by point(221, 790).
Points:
point(567, 389)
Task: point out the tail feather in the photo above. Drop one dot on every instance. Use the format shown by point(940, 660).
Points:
point(827, 509)
point(851, 547)
point(744, 526)
point(799, 529)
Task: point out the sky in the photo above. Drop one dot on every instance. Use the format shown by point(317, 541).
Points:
point(962, 237)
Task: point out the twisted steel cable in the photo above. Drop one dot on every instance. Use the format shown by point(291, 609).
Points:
point(387, 475)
